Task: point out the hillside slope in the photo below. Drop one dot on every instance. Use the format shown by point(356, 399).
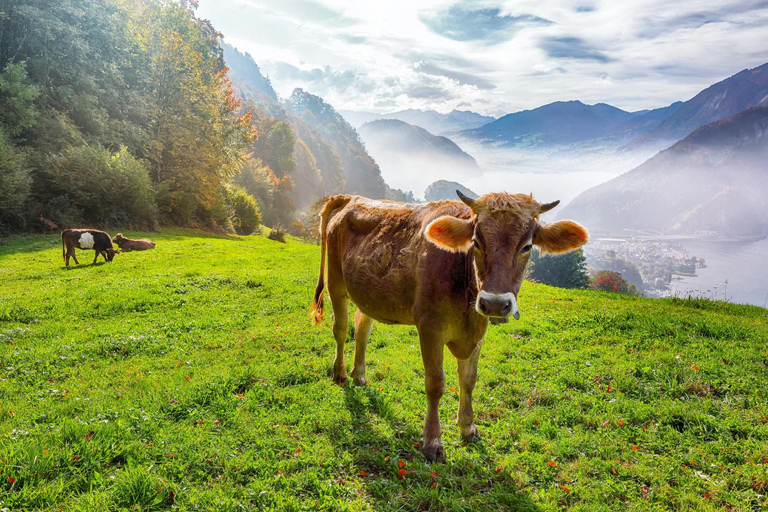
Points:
point(412, 157)
point(746, 89)
point(716, 179)
point(198, 383)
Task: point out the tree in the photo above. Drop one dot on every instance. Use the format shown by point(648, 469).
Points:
point(246, 216)
point(14, 184)
point(567, 270)
point(610, 281)
point(361, 173)
point(108, 189)
point(275, 146)
point(17, 99)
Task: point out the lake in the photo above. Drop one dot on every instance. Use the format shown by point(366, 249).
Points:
point(743, 264)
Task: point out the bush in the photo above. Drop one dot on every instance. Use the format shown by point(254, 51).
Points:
point(277, 233)
point(246, 216)
point(109, 189)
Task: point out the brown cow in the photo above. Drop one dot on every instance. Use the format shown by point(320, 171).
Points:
point(128, 244)
point(94, 239)
point(446, 267)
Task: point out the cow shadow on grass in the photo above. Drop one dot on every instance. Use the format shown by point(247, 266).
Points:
point(83, 266)
point(378, 439)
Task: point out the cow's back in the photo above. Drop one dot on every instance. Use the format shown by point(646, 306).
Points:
point(379, 250)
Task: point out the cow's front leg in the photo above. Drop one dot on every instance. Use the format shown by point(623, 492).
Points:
point(467, 377)
point(96, 257)
point(363, 326)
point(434, 380)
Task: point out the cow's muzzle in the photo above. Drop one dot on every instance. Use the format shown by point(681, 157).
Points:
point(499, 307)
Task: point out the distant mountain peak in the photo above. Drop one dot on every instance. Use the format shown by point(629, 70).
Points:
point(714, 180)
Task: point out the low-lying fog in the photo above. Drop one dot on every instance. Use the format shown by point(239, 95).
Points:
point(548, 175)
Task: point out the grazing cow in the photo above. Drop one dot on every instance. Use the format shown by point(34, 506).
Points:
point(447, 267)
point(94, 239)
point(128, 244)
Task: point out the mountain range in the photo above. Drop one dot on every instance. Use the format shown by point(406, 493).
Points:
point(432, 121)
point(575, 125)
point(713, 181)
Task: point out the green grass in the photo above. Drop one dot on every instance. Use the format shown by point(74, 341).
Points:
point(189, 377)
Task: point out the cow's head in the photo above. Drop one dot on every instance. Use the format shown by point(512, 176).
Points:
point(111, 253)
point(501, 233)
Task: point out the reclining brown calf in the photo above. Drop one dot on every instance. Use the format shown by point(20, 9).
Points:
point(128, 244)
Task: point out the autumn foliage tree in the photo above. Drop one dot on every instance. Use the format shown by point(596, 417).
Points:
point(144, 79)
point(610, 281)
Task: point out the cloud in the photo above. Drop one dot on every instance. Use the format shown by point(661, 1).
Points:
point(353, 39)
point(457, 76)
point(324, 78)
point(487, 25)
point(572, 48)
point(429, 92)
point(545, 68)
point(499, 55)
point(305, 11)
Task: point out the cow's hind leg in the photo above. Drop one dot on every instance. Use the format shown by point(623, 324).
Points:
point(72, 254)
point(340, 326)
point(467, 377)
point(363, 326)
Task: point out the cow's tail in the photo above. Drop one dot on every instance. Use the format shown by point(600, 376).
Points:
point(63, 249)
point(316, 310)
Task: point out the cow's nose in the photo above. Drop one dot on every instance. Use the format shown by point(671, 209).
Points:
point(495, 306)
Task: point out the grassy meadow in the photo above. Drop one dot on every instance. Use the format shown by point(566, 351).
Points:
point(189, 378)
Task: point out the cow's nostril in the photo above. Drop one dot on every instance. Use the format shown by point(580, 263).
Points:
point(507, 308)
point(483, 307)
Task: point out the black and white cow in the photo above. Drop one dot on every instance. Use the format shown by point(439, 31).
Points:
point(94, 239)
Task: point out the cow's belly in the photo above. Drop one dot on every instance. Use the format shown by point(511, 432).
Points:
point(380, 281)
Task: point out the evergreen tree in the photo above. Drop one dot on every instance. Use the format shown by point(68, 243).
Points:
point(567, 270)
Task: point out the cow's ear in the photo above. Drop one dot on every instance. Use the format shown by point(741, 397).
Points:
point(451, 234)
point(559, 237)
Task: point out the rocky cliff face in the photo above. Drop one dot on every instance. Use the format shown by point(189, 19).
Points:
point(443, 189)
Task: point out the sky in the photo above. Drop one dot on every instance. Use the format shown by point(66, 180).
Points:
point(494, 57)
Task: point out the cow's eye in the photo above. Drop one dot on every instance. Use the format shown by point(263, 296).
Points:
point(476, 243)
point(527, 248)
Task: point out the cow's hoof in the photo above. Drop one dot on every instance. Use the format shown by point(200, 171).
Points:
point(471, 436)
point(340, 379)
point(359, 381)
point(434, 453)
